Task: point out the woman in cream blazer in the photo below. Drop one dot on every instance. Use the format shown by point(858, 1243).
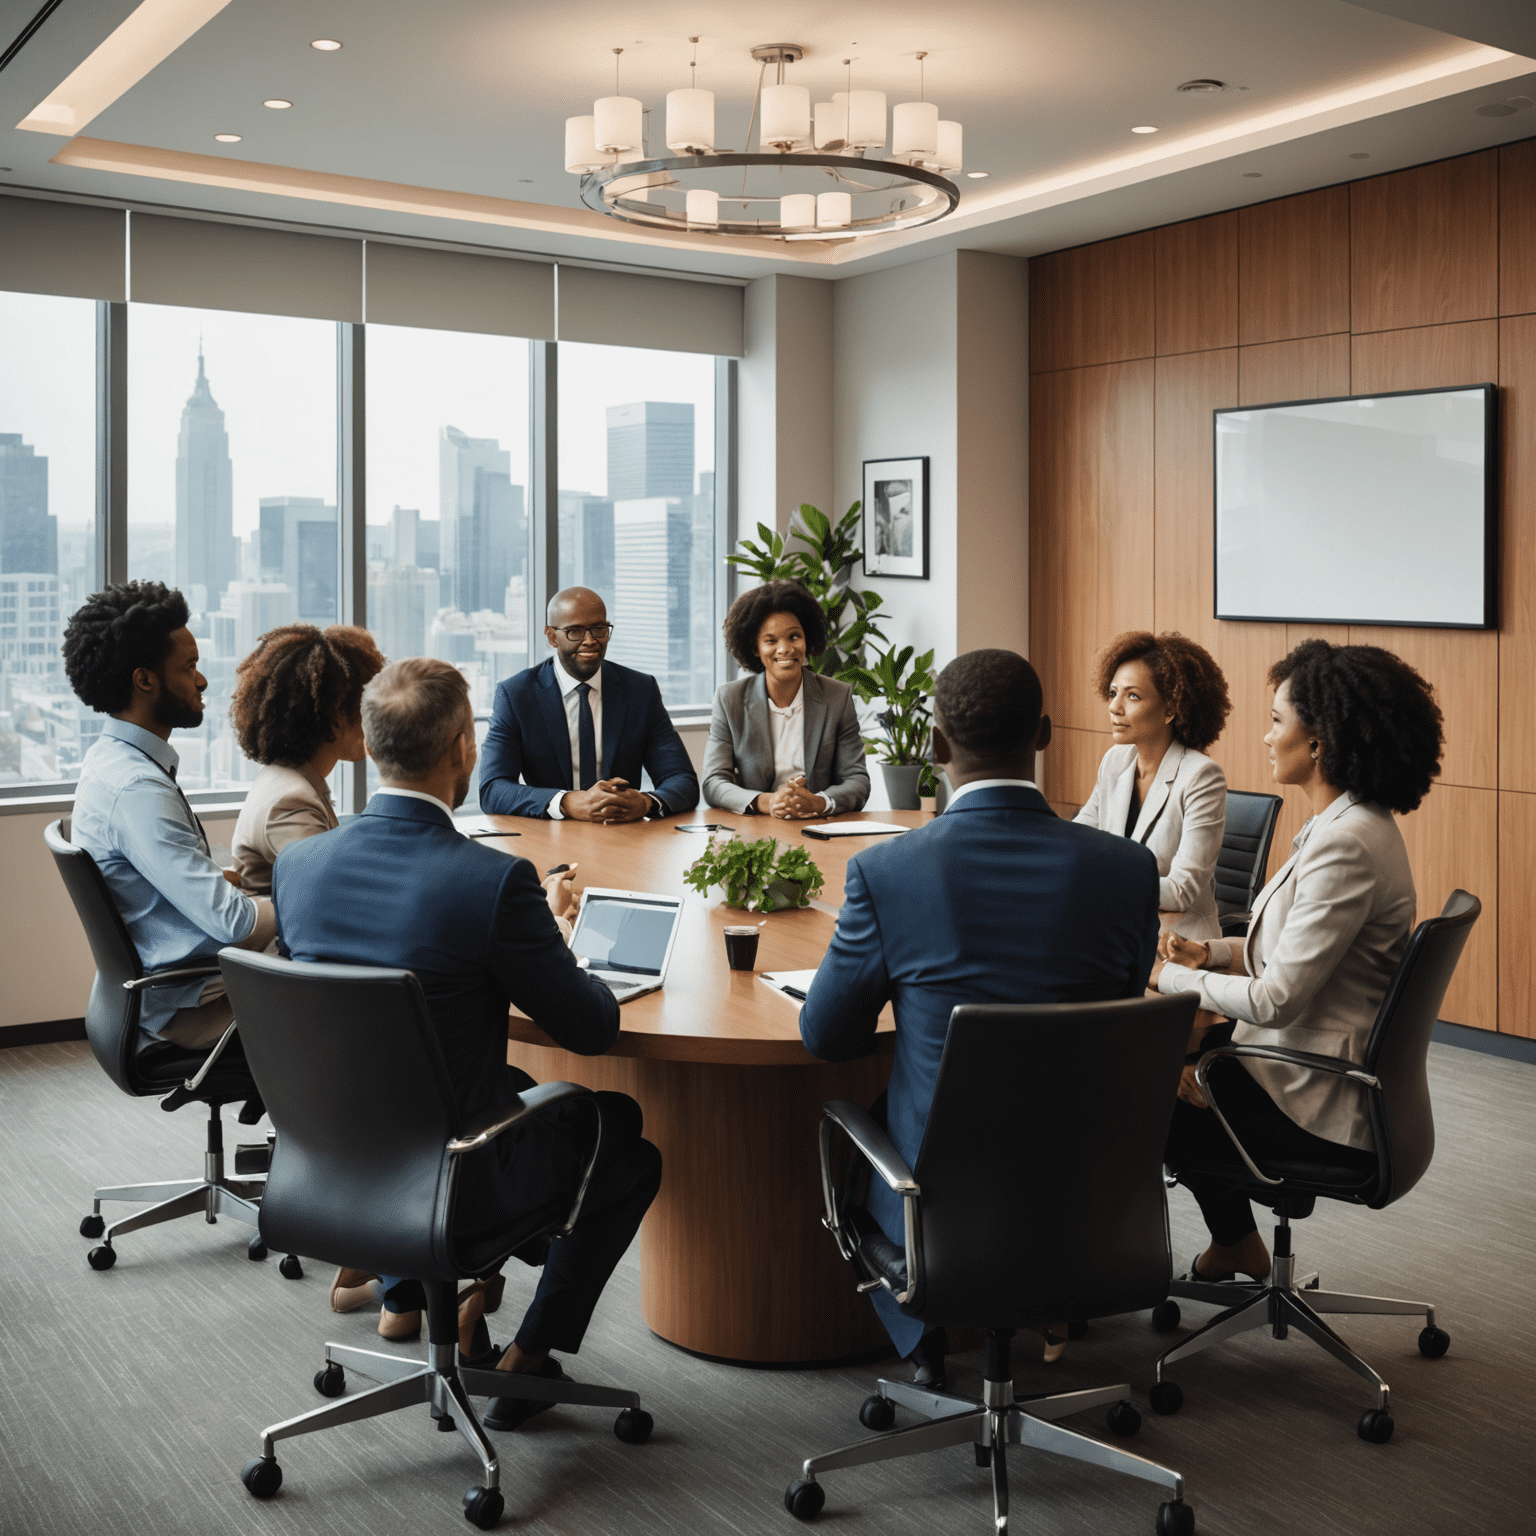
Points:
point(1357, 730)
point(1167, 702)
point(297, 709)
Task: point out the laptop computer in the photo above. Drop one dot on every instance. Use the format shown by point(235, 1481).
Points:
point(625, 938)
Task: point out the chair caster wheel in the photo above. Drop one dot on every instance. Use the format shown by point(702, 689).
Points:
point(330, 1380)
point(483, 1507)
point(1433, 1342)
point(92, 1226)
point(1376, 1425)
point(1166, 1397)
point(290, 1268)
point(262, 1477)
point(103, 1257)
point(1165, 1317)
point(1176, 1519)
point(877, 1413)
point(634, 1426)
point(1123, 1420)
point(803, 1498)
point(256, 1249)
point(1078, 1329)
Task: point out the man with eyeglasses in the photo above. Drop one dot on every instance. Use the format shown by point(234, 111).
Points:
point(570, 737)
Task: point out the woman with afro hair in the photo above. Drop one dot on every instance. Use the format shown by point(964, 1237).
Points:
point(297, 709)
point(1167, 703)
point(1358, 731)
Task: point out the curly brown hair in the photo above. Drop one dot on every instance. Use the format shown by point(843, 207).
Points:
point(756, 606)
point(298, 687)
point(1192, 685)
point(1382, 732)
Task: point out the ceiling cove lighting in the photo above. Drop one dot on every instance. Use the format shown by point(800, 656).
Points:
point(701, 186)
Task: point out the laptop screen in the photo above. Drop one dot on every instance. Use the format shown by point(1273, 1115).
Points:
point(624, 933)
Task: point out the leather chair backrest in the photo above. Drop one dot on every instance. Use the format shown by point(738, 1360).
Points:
point(1397, 1051)
point(1244, 854)
point(348, 1065)
point(1041, 1167)
point(112, 1015)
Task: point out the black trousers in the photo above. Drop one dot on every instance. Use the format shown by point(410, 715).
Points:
point(541, 1167)
point(1202, 1154)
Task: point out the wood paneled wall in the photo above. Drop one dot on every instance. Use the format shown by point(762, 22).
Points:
point(1422, 278)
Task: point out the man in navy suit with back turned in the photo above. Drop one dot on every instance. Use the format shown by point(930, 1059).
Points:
point(996, 901)
point(570, 737)
point(399, 886)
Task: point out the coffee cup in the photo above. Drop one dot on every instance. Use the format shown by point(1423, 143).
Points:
point(741, 947)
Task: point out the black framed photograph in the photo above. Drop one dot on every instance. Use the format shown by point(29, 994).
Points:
point(896, 518)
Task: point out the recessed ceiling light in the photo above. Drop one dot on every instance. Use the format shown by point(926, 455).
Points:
point(228, 138)
point(325, 44)
point(1495, 109)
point(977, 175)
point(276, 103)
point(1359, 154)
point(1144, 129)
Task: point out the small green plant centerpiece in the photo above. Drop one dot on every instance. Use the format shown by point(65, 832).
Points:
point(756, 875)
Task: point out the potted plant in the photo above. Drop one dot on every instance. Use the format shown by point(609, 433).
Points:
point(756, 875)
point(928, 788)
point(904, 717)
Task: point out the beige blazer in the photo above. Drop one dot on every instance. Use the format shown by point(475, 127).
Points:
point(1327, 934)
point(1181, 823)
point(282, 806)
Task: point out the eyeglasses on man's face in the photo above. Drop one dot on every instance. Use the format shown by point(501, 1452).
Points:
point(576, 633)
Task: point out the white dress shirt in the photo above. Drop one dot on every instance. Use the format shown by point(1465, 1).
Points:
point(572, 702)
point(965, 789)
point(788, 727)
point(418, 794)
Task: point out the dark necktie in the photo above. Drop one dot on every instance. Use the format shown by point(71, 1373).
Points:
point(586, 738)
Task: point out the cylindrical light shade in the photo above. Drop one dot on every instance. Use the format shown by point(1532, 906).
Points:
point(915, 129)
point(581, 151)
point(703, 206)
point(834, 210)
point(798, 211)
point(950, 156)
point(691, 121)
point(866, 119)
point(618, 123)
point(786, 115)
point(830, 120)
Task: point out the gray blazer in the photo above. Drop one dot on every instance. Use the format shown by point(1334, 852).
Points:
point(282, 805)
point(1326, 936)
point(1181, 824)
point(738, 762)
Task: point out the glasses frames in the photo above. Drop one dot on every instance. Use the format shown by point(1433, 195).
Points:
point(576, 633)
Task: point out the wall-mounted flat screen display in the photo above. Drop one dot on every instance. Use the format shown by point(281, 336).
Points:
point(1377, 509)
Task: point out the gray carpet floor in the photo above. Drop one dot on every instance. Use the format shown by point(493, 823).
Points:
point(129, 1400)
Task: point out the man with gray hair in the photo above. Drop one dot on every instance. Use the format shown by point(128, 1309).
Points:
point(399, 886)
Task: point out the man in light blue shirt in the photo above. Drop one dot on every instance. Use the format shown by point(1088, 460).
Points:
point(129, 654)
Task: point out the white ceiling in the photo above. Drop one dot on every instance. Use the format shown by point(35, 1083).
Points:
point(469, 97)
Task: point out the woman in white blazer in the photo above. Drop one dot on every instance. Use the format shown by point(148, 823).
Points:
point(1167, 702)
point(1359, 732)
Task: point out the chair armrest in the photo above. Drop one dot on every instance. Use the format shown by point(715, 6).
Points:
point(858, 1125)
point(1234, 925)
point(168, 978)
point(484, 1130)
point(196, 1081)
point(1330, 1064)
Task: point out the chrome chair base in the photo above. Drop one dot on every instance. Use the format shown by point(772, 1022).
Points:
point(1000, 1420)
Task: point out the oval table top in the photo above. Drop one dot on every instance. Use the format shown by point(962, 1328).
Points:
point(706, 1012)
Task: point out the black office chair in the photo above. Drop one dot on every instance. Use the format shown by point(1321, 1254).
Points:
point(176, 1077)
point(1244, 857)
point(365, 1172)
point(1395, 1080)
point(1017, 1216)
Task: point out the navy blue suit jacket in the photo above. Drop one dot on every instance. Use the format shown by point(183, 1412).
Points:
point(398, 886)
point(529, 740)
point(996, 901)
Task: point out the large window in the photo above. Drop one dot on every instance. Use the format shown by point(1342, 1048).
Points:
point(48, 546)
point(637, 506)
point(232, 491)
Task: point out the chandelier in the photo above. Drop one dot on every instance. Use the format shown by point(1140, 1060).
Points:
point(811, 178)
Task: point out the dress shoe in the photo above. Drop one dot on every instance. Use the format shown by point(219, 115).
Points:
point(475, 1348)
point(351, 1290)
point(510, 1412)
point(493, 1291)
point(397, 1327)
point(1199, 1277)
point(1055, 1344)
point(928, 1358)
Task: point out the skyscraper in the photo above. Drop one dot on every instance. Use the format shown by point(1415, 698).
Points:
point(206, 556)
point(650, 450)
point(29, 537)
point(586, 542)
point(298, 547)
point(484, 529)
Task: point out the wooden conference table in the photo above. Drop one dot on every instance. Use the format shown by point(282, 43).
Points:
point(734, 1261)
